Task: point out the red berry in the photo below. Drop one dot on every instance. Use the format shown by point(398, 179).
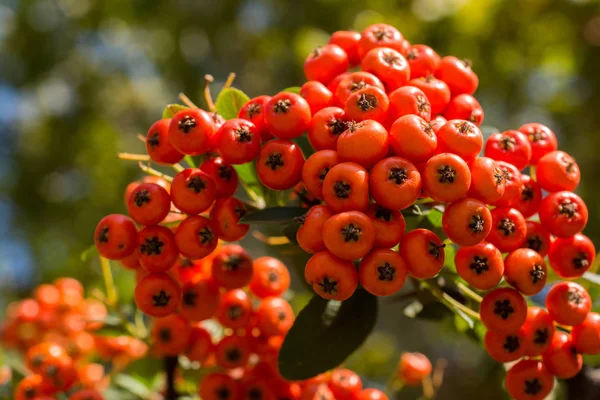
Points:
point(325, 63)
point(379, 35)
point(115, 236)
point(563, 213)
point(508, 229)
point(423, 60)
point(503, 310)
point(310, 233)
point(348, 41)
point(505, 347)
point(354, 82)
point(458, 75)
point(254, 111)
point(408, 100)
point(191, 131)
point(464, 106)
point(372, 394)
point(467, 221)
point(279, 165)
point(382, 272)
point(446, 177)
point(480, 265)
point(367, 103)
point(196, 237)
point(315, 169)
point(192, 191)
point(529, 380)
point(413, 138)
point(513, 184)
point(232, 267)
point(561, 359)
point(389, 226)
point(316, 95)
point(542, 140)
point(414, 368)
point(538, 238)
point(436, 91)
point(388, 65)
point(510, 146)
point(395, 183)
point(557, 171)
point(157, 248)
point(158, 146)
point(330, 276)
point(526, 271)
point(345, 384)
point(238, 141)
point(226, 214)
point(571, 257)
point(568, 303)
point(223, 175)
point(232, 352)
point(528, 203)
point(157, 294)
point(586, 336)
point(235, 309)
point(487, 180)
point(423, 253)
point(287, 115)
point(200, 299)
point(364, 143)
point(539, 330)
point(461, 138)
point(148, 204)
point(274, 316)
point(325, 128)
point(346, 188)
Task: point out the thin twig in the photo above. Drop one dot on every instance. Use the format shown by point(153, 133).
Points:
point(438, 372)
point(170, 369)
point(428, 389)
point(141, 137)
point(152, 171)
point(229, 81)
point(450, 301)
point(208, 79)
point(178, 167)
point(133, 157)
point(469, 292)
point(111, 291)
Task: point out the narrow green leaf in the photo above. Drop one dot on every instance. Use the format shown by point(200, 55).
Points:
point(435, 217)
point(88, 253)
point(274, 215)
point(190, 160)
point(132, 385)
point(292, 89)
point(249, 180)
point(325, 333)
point(229, 102)
point(172, 109)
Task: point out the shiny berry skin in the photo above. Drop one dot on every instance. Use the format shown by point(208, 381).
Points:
point(325, 128)
point(423, 253)
point(253, 111)
point(538, 238)
point(529, 380)
point(466, 107)
point(561, 359)
point(316, 95)
point(223, 175)
point(364, 143)
point(200, 299)
point(539, 330)
point(568, 303)
point(348, 41)
point(170, 335)
point(157, 248)
point(279, 165)
point(354, 82)
point(315, 169)
point(413, 368)
point(586, 336)
point(557, 171)
point(408, 100)
point(388, 65)
point(542, 140)
point(367, 103)
point(460, 137)
point(232, 267)
point(148, 204)
point(505, 347)
point(563, 213)
point(287, 115)
point(528, 203)
point(412, 137)
point(191, 131)
point(201, 345)
point(395, 183)
point(503, 310)
point(389, 226)
point(310, 233)
point(382, 272)
point(115, 236)
point(349, 235)
point(39, 354)
point(526, 271)
point(226, 214)
point(325, 63)
point(232, 352)
point(480, 265)
point(274, 316)
point(157, 294)
point(84, 394)
point(238, 141)
point(196, 237)
point(192, 191)
point(571, 257)
point(458, 75)
point(423, 60)
point(235, 309)
point(446, 177)
point(508, 229)
point(510, 146)
point(270, 278)
point(346, 188)
point(345, 384)
point(436, 90)
point(29, 388)
point(513, 184)
point(467, 221)
point(379, 35)
point(158, 146)
point(330, 276)
point(371, 394)
point(219, 386)
point(487, 180)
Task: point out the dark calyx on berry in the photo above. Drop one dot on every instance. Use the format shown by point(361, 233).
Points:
point(386, 272)
point(186, 124)
point(162, 299)
point(328, 286)
point(142, 197)
point(351, 233)
point(503, 308)
point(152, 245)
point(274, 161)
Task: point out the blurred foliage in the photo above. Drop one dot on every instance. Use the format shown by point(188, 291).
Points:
point(80, 78)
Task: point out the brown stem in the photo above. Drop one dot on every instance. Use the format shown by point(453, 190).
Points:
point(170, 369)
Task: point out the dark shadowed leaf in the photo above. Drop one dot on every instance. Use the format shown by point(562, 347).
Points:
point(172, 109)
point(290, 230)
point(434, 312)
point(274, 215)
point(325, 334)
point(229, 102)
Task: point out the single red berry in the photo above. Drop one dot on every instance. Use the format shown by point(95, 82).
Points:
point(413, 368)
point(371, 394)
point(505, 347)
point(408, 100)
point(148, 204)
point(349, 235)
point(238, 141)
point(480, 265)
point(526, 271)
point(201, 346)
point(467, 221)
point(464, 106)
point(170, 335)
point(316, 168)
point(379, 35)
point(232, 267)
point(423, 60)
point(316, 95)
point(513, 184)
point(562, 359)
point(571, 257)
point(446, 177)
point(542, 140)
point(563, 213)
point(510, 146)
point(538, 238)
point(235, 309)
point(219, 386)
point(158, 146)
point(460, 137)
point(310, 233)
point(437, 92)
point(412, 137)
point(274, 316)
point(382, 272)
point(333, 85)
point(367, 103)
point(503, 310)
point(191, 131)
point(348, 41)
point(325, 63)
point(232, 352)
point(354, 82)
point(157, 248)
point(568, 303)
point(287, 115)
point(345, 384)
point(346, 188)
point(458, 75)
point(226, 214)
point(389, 226)
point(200, 299)
point(157, 294)
point(279, 164)
point(586, 336)
point(539, 330)
point(395, 183)
point(488, 182)
point(508, 229)
point(528, 203)
point(254, 111)
point(325, 128)
point(223, 175)
point(331, 277)
point(557, 171)
point(192, 191)
point(270, 278)
point(388, 65)
point(529, 380)
point(423, 252)
point(196, 237)
point(364, 143)
point(115, 236)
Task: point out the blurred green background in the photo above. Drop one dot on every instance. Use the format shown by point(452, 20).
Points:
point(80, 78)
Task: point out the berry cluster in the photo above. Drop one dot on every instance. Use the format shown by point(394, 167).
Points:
point(56, 330)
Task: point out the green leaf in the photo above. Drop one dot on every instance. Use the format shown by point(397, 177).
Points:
point(292, 89)
point(89, 253)
point(325, 333)
point(435, 217)
point(249, 180)
point(230, 101)
point(273, 215)
point(172, 109)
point(132, 385)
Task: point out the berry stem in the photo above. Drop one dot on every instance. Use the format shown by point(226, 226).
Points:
point(450, 301)
point(111, 291)
point(141, 137)
point(438, 372)
point(177, 167)
point(229, 81)
point(208, 79)
point(150, 171)
point(170, 368)
point(428, 389)
point(186, 100)
point(133, 157)
point(532, 172)
point(469, 292)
